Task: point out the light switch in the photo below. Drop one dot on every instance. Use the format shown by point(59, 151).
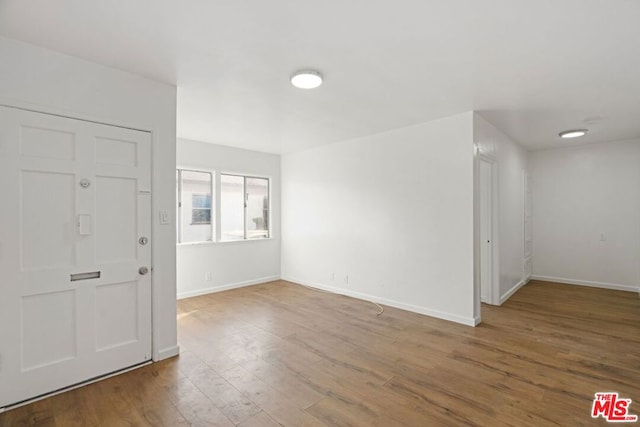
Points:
point(164, 217)
point(84, 225)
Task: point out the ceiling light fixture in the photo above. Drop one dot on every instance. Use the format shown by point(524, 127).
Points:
point(575, 133)
point(306, 79)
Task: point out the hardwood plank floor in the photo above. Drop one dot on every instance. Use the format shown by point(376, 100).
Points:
point(281, 354)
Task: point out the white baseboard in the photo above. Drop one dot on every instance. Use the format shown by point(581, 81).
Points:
point(167, 353)
point(469, 321)
point(513, 290)
point(588, 283)
point(205, 291)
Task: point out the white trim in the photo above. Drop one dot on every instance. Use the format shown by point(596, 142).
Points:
point(512, 291)
point(206, 291)
point(167, 353)
point(468, 321)
point(588, 283)
point(223, 242)
point(67, 114)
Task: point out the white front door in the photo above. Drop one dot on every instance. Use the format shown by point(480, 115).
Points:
point(76, 210)
point(486, 231)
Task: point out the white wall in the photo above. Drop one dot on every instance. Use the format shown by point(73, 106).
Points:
point(393, 212)
point(579, 194)
point(47, 81)
point(231, 264)
point(511, 162)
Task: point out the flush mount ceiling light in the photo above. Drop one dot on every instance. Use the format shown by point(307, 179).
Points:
point(574, 133)
point(306, 79)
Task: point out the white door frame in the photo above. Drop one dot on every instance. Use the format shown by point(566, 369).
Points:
point(494, 297)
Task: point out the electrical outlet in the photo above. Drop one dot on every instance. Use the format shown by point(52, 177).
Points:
point(208, 276)
point(346, 279)
point(332, 276)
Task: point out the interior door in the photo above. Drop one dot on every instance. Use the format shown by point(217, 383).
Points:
point(486, 231)
point(75, 228)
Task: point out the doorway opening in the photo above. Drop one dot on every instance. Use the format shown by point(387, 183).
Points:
point(486, 235)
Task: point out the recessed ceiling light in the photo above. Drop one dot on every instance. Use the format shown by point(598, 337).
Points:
point(306, 79)
point(575, 133)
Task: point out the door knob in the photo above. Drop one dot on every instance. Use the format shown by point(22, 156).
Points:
point(143, 270)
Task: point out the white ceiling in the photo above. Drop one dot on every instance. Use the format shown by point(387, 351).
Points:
point(533, 68)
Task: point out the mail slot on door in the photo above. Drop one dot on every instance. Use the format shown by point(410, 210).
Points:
point(85, 276)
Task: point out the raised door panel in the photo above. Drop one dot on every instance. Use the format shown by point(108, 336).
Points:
point(116, 220)
point(48, 220)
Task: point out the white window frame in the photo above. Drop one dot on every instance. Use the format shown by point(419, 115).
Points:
point(219, 205)
point(216, 209)
point(180, 213)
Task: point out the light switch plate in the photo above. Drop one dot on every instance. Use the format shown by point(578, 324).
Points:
point(164, 217)
point(84, 225)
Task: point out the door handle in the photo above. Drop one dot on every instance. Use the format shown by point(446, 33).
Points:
point(143, 270)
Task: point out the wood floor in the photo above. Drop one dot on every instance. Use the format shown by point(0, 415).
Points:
point(281, 354)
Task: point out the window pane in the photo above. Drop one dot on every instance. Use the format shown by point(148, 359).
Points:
point(257, 208)
point(200, 216)
point(195, 207)
point(201, 201)
point(232, 207)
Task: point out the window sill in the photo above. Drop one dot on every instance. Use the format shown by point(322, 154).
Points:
point(224, 242)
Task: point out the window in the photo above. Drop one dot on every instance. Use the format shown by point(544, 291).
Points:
point(244, 207)
point(242, 211)
point(194, 206)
